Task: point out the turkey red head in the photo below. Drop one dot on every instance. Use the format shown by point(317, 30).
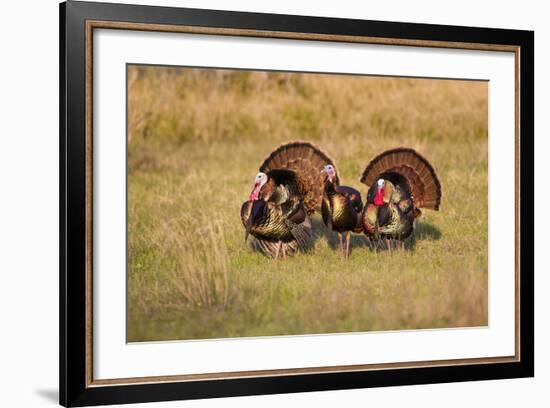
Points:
point(331, 173)
point(379, 195)
point(259, 182)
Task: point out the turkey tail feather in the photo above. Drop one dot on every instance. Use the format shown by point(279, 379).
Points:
point(307, 161)
point(419, 173)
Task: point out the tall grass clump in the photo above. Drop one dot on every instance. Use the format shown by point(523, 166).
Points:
point(200, 272)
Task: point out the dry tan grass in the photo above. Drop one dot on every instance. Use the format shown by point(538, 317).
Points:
point(196, 139)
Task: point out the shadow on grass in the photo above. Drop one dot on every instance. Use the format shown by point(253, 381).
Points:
point(320, 230)
point(423, 232)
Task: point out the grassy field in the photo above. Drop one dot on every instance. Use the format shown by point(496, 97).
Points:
point(196, 139)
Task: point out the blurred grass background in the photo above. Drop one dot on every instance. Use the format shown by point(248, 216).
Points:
point(196, 138)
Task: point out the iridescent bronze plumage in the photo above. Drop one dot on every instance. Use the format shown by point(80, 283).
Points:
point(341, 208)
point(277, 211)
point(404, 182)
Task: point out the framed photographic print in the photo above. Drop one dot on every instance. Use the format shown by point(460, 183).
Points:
point(256, 203)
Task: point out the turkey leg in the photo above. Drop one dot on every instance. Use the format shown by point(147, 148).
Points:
point(348, 236)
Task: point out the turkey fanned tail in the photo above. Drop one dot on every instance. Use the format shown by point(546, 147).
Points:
point(306, 161)
point(401, 164)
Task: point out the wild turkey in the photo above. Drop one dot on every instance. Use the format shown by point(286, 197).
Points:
point(341, 208)
point(288, 188)
point(400, 182)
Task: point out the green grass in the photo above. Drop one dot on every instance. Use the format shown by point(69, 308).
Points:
point(196, 140)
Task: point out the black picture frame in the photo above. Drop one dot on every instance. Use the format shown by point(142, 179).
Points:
point(74, 389)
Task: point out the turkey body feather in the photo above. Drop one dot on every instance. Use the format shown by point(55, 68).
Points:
point(341, 208)
point(297, 179)
point(400, 182)
point(279, 217)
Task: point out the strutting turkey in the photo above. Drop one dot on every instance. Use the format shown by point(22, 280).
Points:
point(400, 182)
point(341, 208)
point(287, 190)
